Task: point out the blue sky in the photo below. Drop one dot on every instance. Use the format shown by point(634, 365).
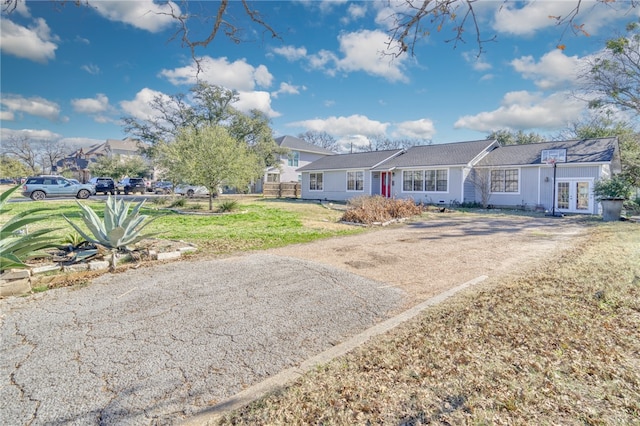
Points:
point(70, 73)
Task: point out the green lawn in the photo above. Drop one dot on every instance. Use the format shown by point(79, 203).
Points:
point(256, 224)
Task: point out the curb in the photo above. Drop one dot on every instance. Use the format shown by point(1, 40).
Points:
point(273, 383)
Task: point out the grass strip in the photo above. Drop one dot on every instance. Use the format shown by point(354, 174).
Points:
point(559, 345)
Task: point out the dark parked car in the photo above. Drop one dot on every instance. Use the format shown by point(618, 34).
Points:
point(41, 187)
point(162, 187)
point(134, 185)
point(104, 185)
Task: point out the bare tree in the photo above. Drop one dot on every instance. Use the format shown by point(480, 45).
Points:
point(411, 21)
point(481, 180)
point(51, 152)
point(21, 148)
point(381, 142)
point(321, 139)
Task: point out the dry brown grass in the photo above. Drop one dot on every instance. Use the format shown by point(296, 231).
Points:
point(558, 346)
point(374, 209)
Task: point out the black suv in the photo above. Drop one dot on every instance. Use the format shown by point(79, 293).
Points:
point(128, 185)
point(104, 185)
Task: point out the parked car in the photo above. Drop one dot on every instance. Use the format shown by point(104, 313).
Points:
point(162, 187)
point(41, 187)
point(104, 185)
point(7, 181)
point(192, 190)
point(129, 184)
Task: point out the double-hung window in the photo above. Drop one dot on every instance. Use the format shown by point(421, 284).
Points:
point(355, 181)
point(315, 181)
point(504, 180)
point(294, 159)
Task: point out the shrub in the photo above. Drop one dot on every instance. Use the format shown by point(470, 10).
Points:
point(614, 188)
point(179, 202)
point(379, 209)
point(227, 206)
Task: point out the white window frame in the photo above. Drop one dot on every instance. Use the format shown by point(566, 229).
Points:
point(355, 180)
point(504, 180)
point(424, 180)
point(293, 159)
point(316, 181)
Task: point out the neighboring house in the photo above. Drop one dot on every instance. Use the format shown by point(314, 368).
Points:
point(300, 153)
point(79, 161)
point(516, 175)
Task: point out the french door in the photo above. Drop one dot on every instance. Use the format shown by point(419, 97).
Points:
point(574, 196)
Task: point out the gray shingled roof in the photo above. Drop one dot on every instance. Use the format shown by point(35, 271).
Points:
point(599, 150)
point(447, 154)
point(359, 160)
point(297, 144)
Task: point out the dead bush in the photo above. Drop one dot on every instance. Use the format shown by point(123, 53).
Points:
point(373, 209)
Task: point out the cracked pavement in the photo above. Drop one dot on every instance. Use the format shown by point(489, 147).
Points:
point(157, 345)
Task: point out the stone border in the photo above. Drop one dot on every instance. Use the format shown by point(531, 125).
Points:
point(19, 282)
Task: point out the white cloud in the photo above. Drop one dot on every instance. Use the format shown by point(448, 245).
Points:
point(139, 107)
point(355, 11)
point(417, 129)
point(344, 126)
point(35, 43)
point(477, 62)
point(91, 105)
point(364, 51)
point(554, 69)
point(237, 75)
point(525, 18)
point(288, 89)
point(31, 134)
point(255, 100)
point(321, 60)
point(144, 14)
point(37, 106)
point(291, 53)
point(91, 69)
point(7, 116)
point(524, 110)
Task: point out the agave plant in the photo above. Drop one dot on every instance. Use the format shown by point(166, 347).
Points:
point(119, 229)
point(17, 245)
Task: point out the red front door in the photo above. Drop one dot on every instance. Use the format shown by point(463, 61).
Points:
point(385, 181)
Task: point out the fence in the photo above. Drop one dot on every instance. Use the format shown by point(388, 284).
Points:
point(281, 189)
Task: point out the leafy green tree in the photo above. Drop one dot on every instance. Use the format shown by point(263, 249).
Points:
point(614, 75)
point(603, 126)
point(211, 157)
point(11, 167)
point(206, 106)
point(509, 137)
point(119, 166)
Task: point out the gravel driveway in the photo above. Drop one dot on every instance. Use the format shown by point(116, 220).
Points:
point(156, 345)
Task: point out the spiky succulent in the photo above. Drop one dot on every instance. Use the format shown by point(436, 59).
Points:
point(16, 248)
point(120, 227)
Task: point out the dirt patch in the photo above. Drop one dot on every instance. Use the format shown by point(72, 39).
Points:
point(427, 257)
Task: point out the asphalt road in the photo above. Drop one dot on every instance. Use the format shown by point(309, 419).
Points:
point(157, 345)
